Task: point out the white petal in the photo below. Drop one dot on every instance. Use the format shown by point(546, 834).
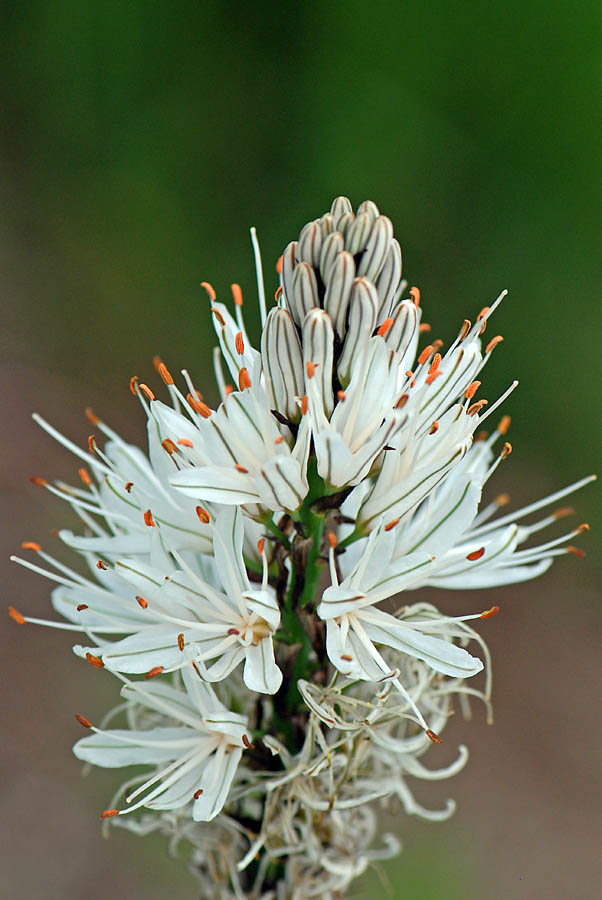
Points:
point(216, 782)
point(261, 673)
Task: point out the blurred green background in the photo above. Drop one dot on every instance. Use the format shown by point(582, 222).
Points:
point(140, 142)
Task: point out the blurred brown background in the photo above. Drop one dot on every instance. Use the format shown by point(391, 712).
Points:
point(140, 141)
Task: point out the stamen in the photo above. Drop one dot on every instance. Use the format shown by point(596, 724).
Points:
point(31, 545)
point(279, 439)
point(247, 742)
point(244, 380)
point(16, 616)
point(304, 405)
point(239, 343)
point(228, 389)
point(506, 450)
point(576, 551)
point(434, 427)
point(415, 295)
point(476, 407)
point(180, 643)
point(157, 361)
point(232, 631)
point(101, 565)
point(40, 482)
point(83, 721)
point(402, 401)
point(236, 293)
point(341, 396)
point(435, 363)
point(563, 511)
point(386, 325)
point(95, 661)
point(278, 293)
point(92, 443)
point(423, 327)
point(142, 603)
point(489, 613)
point(425, 355)
point(169, 446)
point(197, 794)
point(218, 316)
point(148, 519)
point(502, 499)
point(311, 369)
point(242, 469)
point(184, 442)
point(81, 606)
point(260, 545)
point(134, 385)
point(433, 736)
point(332, 539)
point(209, 289)
point(472, 389)
point(129, 485)
point(493, 343)
point(165, 373)
point(203, 515)
point(390, 525)
point(198, 406)
point(476, 554)
point(94, 420)
point(152, 673)
point(85, 476)
point(147, 392)
point(279, 265)
point(109, 813)
point(346, 657)
point(465, 329)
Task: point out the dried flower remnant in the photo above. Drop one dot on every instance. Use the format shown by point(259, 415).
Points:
point(273, 713)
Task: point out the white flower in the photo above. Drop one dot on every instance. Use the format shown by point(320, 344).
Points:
point(196, 758)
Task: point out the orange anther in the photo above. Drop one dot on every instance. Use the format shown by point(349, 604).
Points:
point(218, 316)
point(169, 446)
point(260, 545)
point(386, 325)
point(94, 420)
point(101, 564)
point(231, 631)
point(433, 736)
point(332, 539)
point(228, 389)
point(279, 265)
point(197, 794)
point(434, 427)
point(81, 606)
point(157, 361)
point(504, 424)
point(304, 405)
point(435, 363)
point(483, 312)
point(242, 469)
point(476, 407)
point(109, 813)
point(236, 293)
point(493, 343)
point(576, 551)
point(425, 355)
point(148, 519)
point(415, 295)
point(465, 329)
point(198, 406)
point(147, 391)
point(506, 450)
point(209, 289)
point(247, 742)
point(583, 527)
point(430, 378)
point(239, 343)
point(152, 673)
point(402, 401)
point(129, 485)
point(85, 476)
point(244, 380)
point(184, 442)
point(502, 499)
point(83, 721)
point(489, 613)
point(92, 443)
point(310, 368)
point(16, 616)
point(481, 436)
point(134, 385)
point(278, 293)
point(563, 511)
point(341, 396)
point(472, 389)
point(31, 545)
point(392, 524)
point(409, 374)
point(423, 327)
point(181, 642)
point(95, 661)
point(346, 657)
point(165, 373)
point(279, 439)
point(476, 554)
point(203, 515)
point(142, 603)
point(437, 344)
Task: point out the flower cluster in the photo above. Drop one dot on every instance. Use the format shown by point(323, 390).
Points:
point(236, 573)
